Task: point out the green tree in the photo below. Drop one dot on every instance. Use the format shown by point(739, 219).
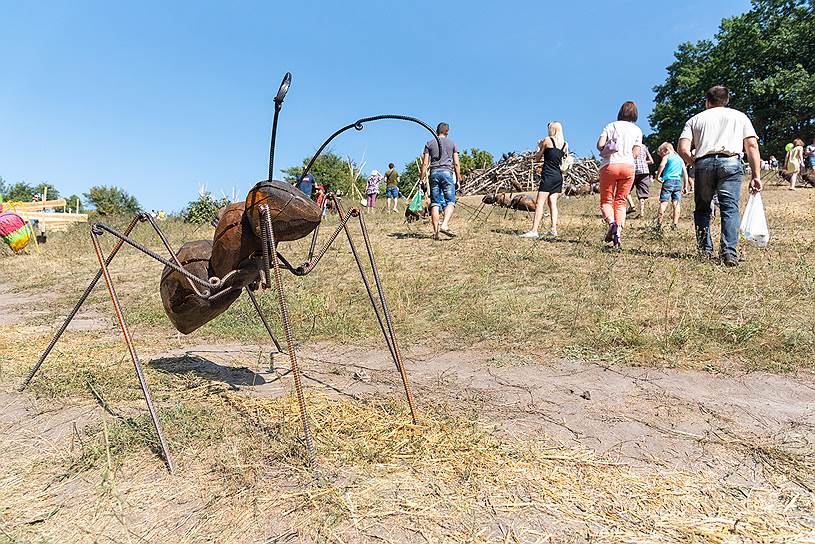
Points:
point(53, 192)
point(204, 209)
point(330, 170)
point(24, 192)
point(112, 200)
point(473, 159)
point(71, 202)
point(408, 177)
point(765, 57)
point(20, 191)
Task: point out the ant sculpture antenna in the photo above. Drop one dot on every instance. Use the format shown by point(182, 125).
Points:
point(278, 105)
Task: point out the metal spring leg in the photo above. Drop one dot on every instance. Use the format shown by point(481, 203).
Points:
point(396, 352)
point(129, 341)
point(254, 300)
point(267, 235)
point(72, 314)
point(385, 326)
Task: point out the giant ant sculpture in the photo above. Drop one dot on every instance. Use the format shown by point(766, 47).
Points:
point(204, 278)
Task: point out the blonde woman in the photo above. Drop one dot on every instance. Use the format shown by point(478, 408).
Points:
point(795, 158)
point(552, 149)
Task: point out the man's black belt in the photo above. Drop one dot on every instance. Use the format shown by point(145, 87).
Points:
point(716, 156)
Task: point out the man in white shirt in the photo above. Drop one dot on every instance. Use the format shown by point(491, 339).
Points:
point(720, 135)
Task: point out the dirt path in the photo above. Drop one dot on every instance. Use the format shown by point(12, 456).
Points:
point(752, 430)
point(28, 308)
point(689, 419)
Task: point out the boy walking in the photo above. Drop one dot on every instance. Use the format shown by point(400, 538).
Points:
point(673, 174)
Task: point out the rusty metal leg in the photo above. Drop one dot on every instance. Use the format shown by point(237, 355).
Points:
point(129, 341)
point(315, 257)
point(508, 207)
point(371, 298)
point(267, 235)
point(385, 324)
point(173, 255)
point(313, 246)
point(254, 300)
point(82, 299)
point(396, 352)
point(489, 213)
point(477, 213)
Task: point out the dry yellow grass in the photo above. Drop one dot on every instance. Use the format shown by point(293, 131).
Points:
point(378, 479)
point(454, 478)
point(654, 304)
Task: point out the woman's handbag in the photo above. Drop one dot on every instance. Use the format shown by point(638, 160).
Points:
point(612, 145)
point(567, 162)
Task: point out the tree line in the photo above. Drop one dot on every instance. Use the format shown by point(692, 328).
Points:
point(765, 57)
point(338, 174)
point(105, 200)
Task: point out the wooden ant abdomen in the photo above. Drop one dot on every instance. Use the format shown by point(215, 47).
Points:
point(233, 255)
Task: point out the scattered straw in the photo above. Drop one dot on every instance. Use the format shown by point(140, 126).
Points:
point(379, 478)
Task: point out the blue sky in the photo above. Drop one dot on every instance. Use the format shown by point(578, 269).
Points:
point(159, 97)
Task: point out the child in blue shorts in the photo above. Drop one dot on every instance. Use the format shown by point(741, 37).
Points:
point(673, 174)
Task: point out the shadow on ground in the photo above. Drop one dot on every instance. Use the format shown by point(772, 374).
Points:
point(199, 366)
point(410, 235)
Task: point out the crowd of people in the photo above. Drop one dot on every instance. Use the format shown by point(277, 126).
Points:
point(706, 161)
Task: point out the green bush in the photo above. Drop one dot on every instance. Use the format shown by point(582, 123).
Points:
point(204, 209)
point(112, 201)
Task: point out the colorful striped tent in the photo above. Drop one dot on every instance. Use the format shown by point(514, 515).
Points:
point(15, 231)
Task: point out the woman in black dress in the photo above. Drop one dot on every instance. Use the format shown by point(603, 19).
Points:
point(553, 149)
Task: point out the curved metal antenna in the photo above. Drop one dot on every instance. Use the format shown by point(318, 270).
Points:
point(278, 105)
point(358, 125)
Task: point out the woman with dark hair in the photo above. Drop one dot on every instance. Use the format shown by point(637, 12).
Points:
point(619, 145)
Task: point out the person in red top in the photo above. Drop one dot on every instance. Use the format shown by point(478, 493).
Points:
point(319, 194)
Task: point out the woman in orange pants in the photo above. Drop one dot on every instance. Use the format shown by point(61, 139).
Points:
point(619, 144)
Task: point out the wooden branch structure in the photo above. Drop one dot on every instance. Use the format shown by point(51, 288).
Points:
point(49, 221)
point(518, 173)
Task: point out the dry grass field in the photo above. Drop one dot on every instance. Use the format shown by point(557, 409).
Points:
point(568, 393)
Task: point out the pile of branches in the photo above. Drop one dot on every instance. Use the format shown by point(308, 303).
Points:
point(517, 173)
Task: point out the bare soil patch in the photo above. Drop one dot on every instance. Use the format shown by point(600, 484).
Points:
point(662, 435)
point(683, 418)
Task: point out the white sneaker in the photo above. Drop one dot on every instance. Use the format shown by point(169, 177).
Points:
point(530, 234)
point(553, 233)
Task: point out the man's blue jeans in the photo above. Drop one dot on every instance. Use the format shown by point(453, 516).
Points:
point(442, 189)
point(720, 176)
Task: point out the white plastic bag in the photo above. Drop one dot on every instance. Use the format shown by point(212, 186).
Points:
point(754, 222)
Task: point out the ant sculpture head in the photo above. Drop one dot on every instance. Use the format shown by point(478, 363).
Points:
point(294, 215)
